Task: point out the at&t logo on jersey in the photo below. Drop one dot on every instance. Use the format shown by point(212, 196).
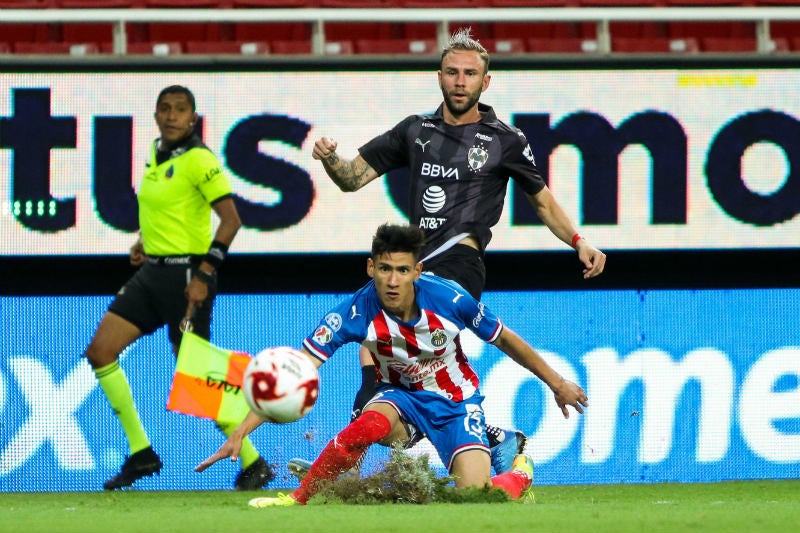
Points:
point(433, 200)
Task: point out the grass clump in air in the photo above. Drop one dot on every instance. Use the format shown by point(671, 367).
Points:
point(404, 480)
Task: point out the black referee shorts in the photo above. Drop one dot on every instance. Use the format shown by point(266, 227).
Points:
point(462, 264)
point(154, 296)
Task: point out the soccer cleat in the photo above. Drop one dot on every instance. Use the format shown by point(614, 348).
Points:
point(298, 468)
point(254, 477)
point(282, 500)
point(504, 453)
point(523, 464)
point(142, 463)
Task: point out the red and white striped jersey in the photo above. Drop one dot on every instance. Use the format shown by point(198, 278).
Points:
point(424, 354)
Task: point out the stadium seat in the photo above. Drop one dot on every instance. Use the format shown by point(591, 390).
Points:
point(784, 29)
point(98, 4)
point(716, 44)
point(534, 3)
point(558, 46)
point(272, 31)
point(5, 48)
point(395, 46)
point(290, 47)
point(620, 3)
point(26, 4)
point(338, 48)
point(179, 4)
point(87, 33)
point(73, 49)
point(181, 32)
point(155, 48)
point(504, 46)
point(654, 45)
point(227, 47)
point(446, 3)
point(15, 33)
point(708, 3)
point(272, 3)
point(360, 3)
point(541, 30)
point(343, 31)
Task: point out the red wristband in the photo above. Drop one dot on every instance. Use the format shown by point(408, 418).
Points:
point(575, 239)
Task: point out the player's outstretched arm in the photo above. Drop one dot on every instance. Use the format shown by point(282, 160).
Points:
point(565, 392)
point(233, 445)
point(348, 174)
point(554, 217)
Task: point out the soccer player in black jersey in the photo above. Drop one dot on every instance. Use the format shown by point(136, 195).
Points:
point(460, 159)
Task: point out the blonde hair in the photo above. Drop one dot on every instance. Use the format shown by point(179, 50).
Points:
point(462, 40)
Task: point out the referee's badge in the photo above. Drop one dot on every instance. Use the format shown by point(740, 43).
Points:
point(477, 157)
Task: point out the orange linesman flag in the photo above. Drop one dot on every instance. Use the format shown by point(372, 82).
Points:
point(208, 381)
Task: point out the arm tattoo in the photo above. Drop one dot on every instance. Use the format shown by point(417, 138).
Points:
point(347, 175)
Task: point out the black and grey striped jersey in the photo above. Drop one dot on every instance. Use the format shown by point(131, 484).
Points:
point(458, 174)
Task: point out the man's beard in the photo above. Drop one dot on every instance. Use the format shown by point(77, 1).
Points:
point(459, 110)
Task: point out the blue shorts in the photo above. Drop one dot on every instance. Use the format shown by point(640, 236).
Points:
point(452, 427)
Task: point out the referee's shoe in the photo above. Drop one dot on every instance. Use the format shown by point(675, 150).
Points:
point(254, 477)
point(136, 466)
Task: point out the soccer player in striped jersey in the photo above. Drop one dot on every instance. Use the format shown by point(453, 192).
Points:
point(411, 323)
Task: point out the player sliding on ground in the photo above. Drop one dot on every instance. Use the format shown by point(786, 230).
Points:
point(411, 322)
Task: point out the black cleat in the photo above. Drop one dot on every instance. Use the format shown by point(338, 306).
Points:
point(254, 477)
point(142, 463)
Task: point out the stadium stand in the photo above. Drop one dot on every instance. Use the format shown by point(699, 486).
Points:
point(223, 33)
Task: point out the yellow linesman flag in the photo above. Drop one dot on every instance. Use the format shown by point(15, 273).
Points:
point(208, 381)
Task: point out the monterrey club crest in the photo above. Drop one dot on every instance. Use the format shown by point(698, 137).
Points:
point(477, 157)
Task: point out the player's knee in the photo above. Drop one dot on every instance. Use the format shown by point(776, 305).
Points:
point(367, 429)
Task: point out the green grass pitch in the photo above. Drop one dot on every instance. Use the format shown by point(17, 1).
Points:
point(741, 506)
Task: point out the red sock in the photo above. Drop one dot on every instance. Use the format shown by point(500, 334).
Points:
point(343, 452)
point(514, 483)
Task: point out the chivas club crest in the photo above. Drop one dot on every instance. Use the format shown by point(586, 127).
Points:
point(477, 157)
point(438, 338)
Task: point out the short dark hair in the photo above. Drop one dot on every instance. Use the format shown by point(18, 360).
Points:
point(397, 238)
point(177, 89)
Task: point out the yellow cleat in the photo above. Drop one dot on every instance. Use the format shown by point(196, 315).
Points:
point(282, 500)
point(524, 465)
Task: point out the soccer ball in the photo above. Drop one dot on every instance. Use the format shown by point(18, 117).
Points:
point(281, 384)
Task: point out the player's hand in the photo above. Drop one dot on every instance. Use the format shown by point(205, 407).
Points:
point(569, 393)
point(229, 449)
point(593, 259)
point(137, 253)
point(324, 148)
